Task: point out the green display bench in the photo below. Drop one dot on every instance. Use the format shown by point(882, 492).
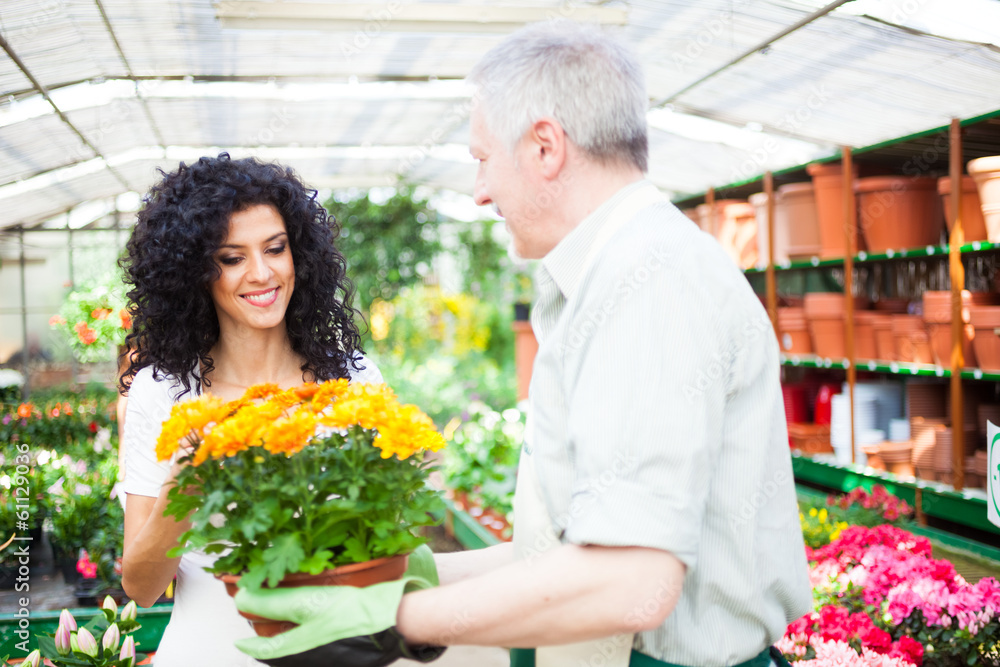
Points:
point(932, 499)
point(469, 533)
point(147, 638)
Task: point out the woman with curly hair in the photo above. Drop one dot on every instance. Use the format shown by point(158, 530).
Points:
point(235, 281)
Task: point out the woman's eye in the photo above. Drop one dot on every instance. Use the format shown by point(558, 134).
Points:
point(229, 261)
point(277, 250)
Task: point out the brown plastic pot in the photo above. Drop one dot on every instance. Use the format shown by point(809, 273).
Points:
point(940, 336)
point(795, 215)
point(865, 345)
point(912, 341)
point(828, 184)
point(885, 344)
point(828, 337)
point(986, 321)
point(899, 212)
point(973, 223)
point(793, 331)
point(358, 575)
point(986, 172)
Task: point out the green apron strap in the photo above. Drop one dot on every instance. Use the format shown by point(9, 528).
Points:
point(525, 657)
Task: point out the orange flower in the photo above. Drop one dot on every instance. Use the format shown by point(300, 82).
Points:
point(126, 319)
point(188, 420)
point(25, 409)
point(56, 320)
point(289, 435)
point(100, 313)
point(86, 335)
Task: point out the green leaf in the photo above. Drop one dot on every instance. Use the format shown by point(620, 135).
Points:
point(355, 551)
point(283, 557)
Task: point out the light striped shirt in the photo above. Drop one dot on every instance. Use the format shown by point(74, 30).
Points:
point(658, 422)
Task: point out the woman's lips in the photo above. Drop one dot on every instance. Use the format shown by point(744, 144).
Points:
point(261, 299)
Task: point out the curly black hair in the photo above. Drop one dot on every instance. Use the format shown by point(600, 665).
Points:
point(170, 263)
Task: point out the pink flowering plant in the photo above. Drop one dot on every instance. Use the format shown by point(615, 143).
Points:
point(106, 641)
point(878, 590)
point(861, 508)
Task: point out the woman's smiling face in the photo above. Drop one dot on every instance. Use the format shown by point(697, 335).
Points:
point(257, 274)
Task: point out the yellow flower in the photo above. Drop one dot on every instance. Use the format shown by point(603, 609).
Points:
point(188, 420)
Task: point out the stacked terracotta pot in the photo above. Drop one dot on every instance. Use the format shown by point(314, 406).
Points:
point(912, 343)
point(793, 331)
point(899, 212)
point(937, 317)
point(986, 172)
point(825, 313)
point(865, 342)
point(986, 343)
point(927, 445)
point(973, 223)
point(828, 184)
point(796, 226)
point(897, 457)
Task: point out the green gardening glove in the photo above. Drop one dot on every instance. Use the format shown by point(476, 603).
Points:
point(339, 625)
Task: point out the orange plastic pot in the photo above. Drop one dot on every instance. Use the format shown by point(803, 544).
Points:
point(828, 188)
point(865, 345)
point(828, 337)
point(986, 172)
point(885, 344)
point(793, 331)
point(973, 223)
point(912, 341)
point(358, 575)
point(986, 321)
point(795, 215)
point(899, 212)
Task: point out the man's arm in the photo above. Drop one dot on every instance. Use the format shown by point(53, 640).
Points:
point(459, 565)
point(569, 594)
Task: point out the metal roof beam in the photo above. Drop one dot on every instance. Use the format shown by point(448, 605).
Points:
point(5, 45)
point(128, 68)
point(823, 11)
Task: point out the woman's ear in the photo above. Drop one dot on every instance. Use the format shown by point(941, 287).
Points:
point(549, 146)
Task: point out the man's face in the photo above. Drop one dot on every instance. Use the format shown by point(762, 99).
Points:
point(504, 181)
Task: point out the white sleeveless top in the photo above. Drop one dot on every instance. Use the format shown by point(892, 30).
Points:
point(204, 624)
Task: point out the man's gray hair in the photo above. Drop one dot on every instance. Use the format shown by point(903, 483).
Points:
point(589, 82)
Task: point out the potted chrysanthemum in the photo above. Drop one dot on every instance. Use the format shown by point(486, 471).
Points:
point(310, 481)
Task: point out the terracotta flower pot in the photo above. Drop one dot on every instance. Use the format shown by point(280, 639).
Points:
point(973, 223)
point(986, 172)
point(986, 321)
point(885, 344)
point(865, 344)
point(937, 316)
point(912, 341)
point(358, 575)
point(899, 212)
point(795, 215)
point(793, 331)
point(828, 188)
point(759, 203)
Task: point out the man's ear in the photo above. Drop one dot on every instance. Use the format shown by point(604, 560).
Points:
point(549, 146)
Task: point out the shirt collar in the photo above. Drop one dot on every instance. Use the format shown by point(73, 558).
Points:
point(566, 263)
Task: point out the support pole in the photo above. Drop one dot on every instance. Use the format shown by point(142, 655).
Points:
point(957, 273)
point(26, 390)
point(710, 202)
point(850, 229)
point(72, 285)
point(772, 289)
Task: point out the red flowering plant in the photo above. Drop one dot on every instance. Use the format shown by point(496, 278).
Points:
point(861, 508)
point(887, 576)
point(94, 320)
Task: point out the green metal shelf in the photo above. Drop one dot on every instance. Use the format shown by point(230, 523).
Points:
point(888, 367)
point(966, 507)
point(863, 257)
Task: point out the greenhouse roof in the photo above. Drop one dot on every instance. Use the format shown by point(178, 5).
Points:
point(98, 94)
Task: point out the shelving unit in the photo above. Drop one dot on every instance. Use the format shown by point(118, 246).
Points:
point(968, 139)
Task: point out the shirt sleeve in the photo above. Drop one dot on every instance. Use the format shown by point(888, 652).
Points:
point(369, 372)
point(645, 391)
point(148, 407)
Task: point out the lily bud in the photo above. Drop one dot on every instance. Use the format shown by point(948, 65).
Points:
point(66, 618)
point(73, 644)
point(111, 638)
point(86, 642)
point(110, 605)
point(128, 650)
point(32, 659)
point(129, 612)
point(63, 639)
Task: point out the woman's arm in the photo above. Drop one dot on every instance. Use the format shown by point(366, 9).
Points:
point(461, 565)
point(146, 570)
